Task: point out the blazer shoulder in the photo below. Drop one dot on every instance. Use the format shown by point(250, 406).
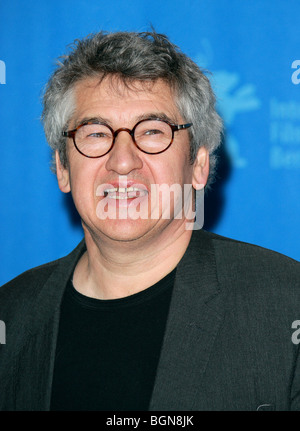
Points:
point(236, 246)
point(24, 288)
point(252, 263)
point(235, 242)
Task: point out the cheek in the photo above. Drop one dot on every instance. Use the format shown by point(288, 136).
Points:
point(82, 183)
point(170, 179)
point(174, 171)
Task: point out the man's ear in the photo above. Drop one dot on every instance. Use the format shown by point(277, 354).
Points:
point(62, 175)
point(201, 169)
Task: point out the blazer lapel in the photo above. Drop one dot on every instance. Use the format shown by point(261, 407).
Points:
point(34, 362)
point(194, 319)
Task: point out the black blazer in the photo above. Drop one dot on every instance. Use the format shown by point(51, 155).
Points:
point(228, 341)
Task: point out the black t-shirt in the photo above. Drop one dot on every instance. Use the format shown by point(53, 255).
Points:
point(108, 350)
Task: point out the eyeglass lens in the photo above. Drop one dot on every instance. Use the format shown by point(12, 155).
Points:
point(151, 136)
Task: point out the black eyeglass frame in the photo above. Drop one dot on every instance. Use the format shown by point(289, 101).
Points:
point(174, 128)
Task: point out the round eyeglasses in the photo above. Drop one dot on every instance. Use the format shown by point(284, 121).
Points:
point(151, 136)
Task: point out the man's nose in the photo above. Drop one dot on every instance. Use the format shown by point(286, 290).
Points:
point(124, 156)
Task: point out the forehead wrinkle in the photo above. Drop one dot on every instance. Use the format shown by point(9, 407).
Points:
point(137, 119)
point(112, 87)
point(115, 85)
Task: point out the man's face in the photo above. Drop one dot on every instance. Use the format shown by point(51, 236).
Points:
point(107, 209)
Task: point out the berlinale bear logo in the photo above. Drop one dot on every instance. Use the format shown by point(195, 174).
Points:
point(233, 98)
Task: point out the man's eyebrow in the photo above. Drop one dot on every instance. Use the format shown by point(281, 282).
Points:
point(91, 119)
point(155, 115)
point(145, 116)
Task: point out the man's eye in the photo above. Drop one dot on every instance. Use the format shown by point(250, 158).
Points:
point(153, 132)
point(97, 135)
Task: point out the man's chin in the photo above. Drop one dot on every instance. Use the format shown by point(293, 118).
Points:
point(126, 230)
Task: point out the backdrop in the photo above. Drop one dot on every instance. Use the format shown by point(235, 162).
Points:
point(252, 48)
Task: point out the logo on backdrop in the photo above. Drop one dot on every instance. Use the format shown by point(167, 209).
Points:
point(233, 99)
point(2, 72)
point(285, 128)
point(284, 134)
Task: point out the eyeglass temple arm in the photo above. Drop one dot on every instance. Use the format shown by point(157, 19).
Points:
point(69, 133)
point(183, 126)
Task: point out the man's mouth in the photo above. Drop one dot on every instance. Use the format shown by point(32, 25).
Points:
point(124, 192)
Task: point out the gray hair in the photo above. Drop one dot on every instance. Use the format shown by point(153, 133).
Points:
point(131, 57)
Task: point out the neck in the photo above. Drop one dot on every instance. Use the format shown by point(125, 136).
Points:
point(114, 269)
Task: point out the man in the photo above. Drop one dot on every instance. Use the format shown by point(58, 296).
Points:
point(147, 313)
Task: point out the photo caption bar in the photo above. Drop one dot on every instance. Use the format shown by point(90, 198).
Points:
point(145, 421)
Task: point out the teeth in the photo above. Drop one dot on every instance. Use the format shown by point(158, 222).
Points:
point(123, 190)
